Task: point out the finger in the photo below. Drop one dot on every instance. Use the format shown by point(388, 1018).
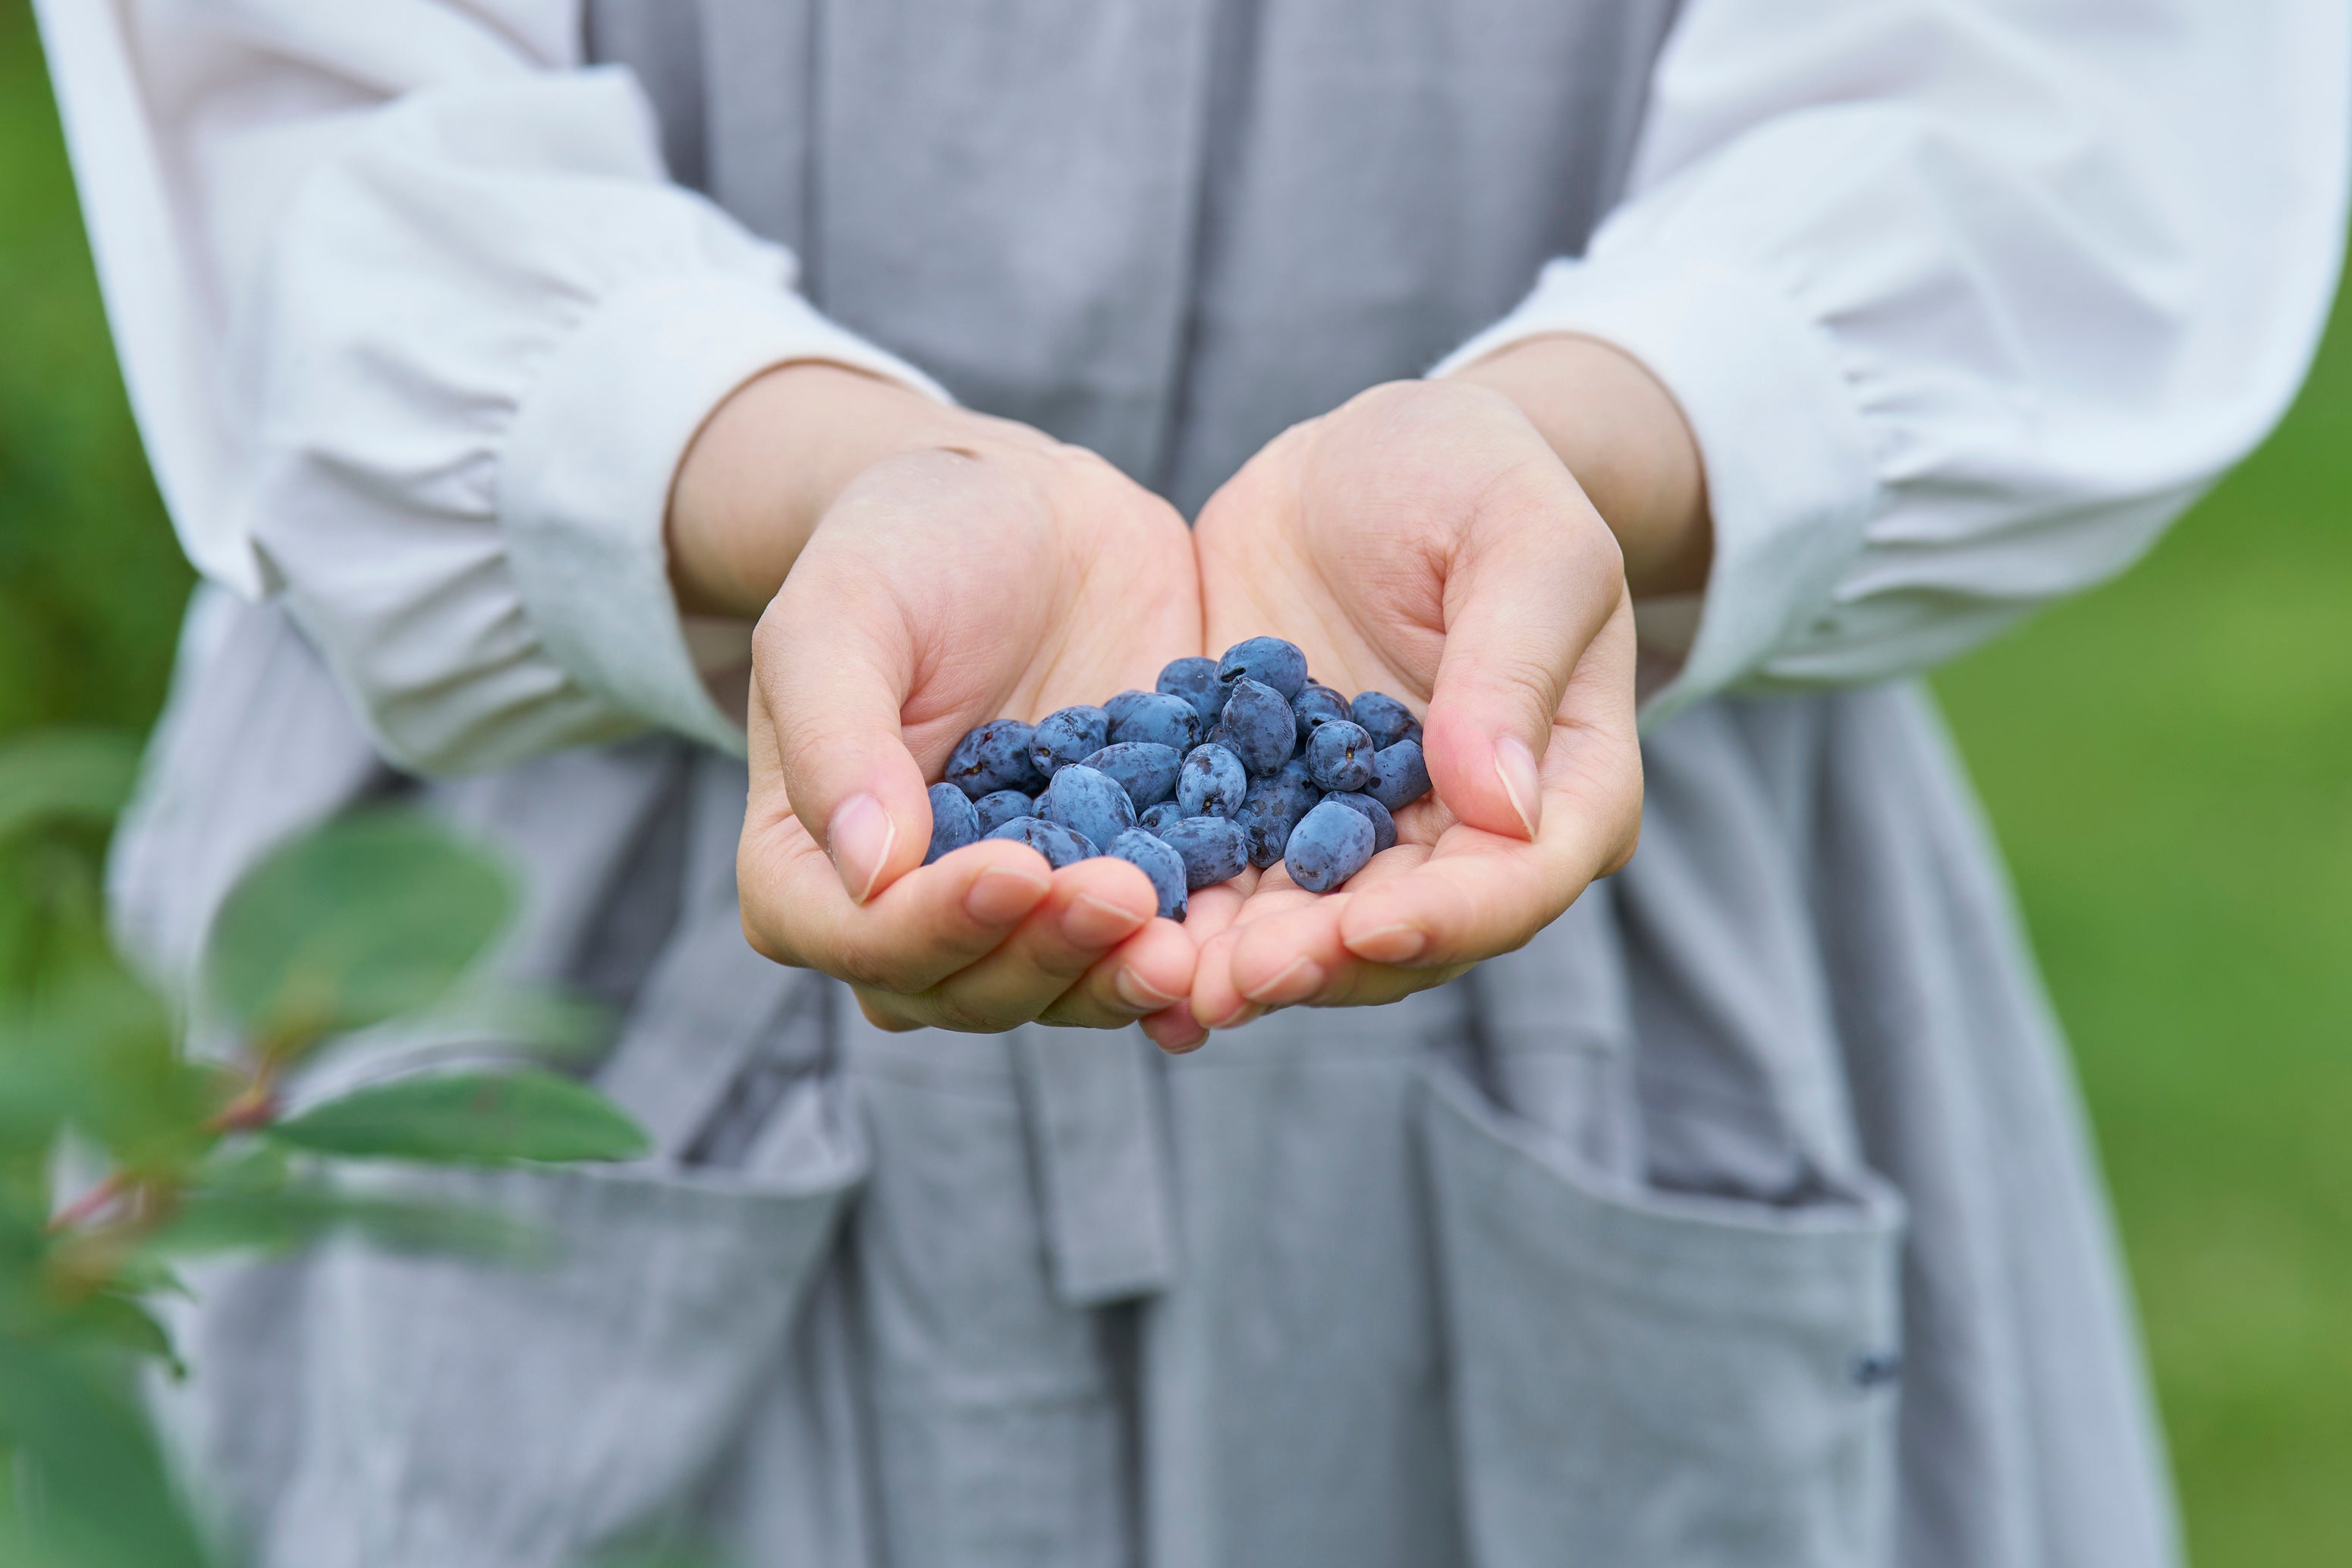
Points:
point(1286, 950)
point(1095, 906)
point(925, 926)
point(1148, 973)
point(1176, 1031)
point(1481, 893)
point(836, 661)
point(1533, 581)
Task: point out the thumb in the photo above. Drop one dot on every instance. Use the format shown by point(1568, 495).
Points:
point(1534, 581)
point(832, 667)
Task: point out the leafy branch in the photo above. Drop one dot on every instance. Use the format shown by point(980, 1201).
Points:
point(379, 920)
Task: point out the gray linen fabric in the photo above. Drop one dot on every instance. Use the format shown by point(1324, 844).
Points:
point(1744, 1217)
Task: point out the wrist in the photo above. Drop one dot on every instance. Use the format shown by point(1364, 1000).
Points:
point(768, 463)
point(1619, 431)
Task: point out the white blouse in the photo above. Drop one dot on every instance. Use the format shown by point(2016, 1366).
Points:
point(1965, 300)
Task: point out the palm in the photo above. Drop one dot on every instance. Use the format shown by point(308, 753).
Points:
point(1358, 544)
point(941, 590)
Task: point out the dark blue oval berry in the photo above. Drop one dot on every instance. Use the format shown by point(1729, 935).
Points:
point(1144, 771)
point(1121, 706)
point(1068, 735)
point(1260, 728)
point(1211, 782)
point(1400, 777)
point(1089, 801)
point(1273, 807)
point(1060, 846)
point(1161, 818)
point(994, 756)
point(1384, 718)
point(1384, 833)
point(1156, 860)
point(954, 823)
point(1341, 756)
point(1194, 679)
point(1001, 807)
point(1269, 660)
point(1215, 849)
point(1155, 719)
point(1329, 845)
point(1316, 705)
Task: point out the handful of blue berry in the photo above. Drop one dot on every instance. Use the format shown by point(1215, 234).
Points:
point(1242, 760)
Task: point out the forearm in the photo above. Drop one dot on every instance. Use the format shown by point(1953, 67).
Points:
point(1620, 433)
point(771, 459)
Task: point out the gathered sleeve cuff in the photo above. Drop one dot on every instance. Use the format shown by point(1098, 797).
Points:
point(1963, 303)
point(440, 329)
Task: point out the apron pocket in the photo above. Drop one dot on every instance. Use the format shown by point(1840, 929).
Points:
point(1650, 1378)
point(462, 1414)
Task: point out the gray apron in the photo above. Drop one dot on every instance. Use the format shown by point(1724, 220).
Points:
point(1746, 1216)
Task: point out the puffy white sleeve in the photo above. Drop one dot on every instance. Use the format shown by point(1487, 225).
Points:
point(418, 332)
point(1964, 299)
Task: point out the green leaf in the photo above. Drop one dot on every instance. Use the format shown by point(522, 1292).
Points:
point(97, 1051)
point(106, 1502)
point(296, 1216)
point(65, 775)
point(369, 919)
point(469, 1118)
point(551, 1025)
point(107, 1318)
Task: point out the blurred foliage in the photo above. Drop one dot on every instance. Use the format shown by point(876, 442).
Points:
point(364, 923)
point(2166, 761)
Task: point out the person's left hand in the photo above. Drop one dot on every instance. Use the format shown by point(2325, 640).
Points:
point(1426, 540)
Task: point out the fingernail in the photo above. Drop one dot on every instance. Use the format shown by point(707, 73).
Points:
point(1515, 769)
point(1300, 978)
point(1139, 994)
point(859, 838)
point(1397, 944)
point(1091, 922)
point(1242, 1013)
point(1177, 1031)
point(1001, 895)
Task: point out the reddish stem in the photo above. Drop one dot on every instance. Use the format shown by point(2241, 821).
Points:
point(91, 1203)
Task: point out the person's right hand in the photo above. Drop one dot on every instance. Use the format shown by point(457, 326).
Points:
point(982, 571)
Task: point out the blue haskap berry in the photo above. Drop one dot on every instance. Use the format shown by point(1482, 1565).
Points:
point(1296, 772)
point(1341, 756)
point(1384, 833)
point(1400, 777)
point(1120, 706)
point(1060, 846)
point(1194, 680)
point(1384, 718)
point(1162, 864)
point(1159, 719)
point(1260, 728)
point(1316, 705)
point(1215, 849)
point(1089, 801)
point(1161, 818)
point(1329, 845)
point(1211, 782)
point(1001, 807)
point(1145, 771)
point(1068, 735)
point(994, 756)
point(954, 823)
point(1269, 660)
point(1270, 811)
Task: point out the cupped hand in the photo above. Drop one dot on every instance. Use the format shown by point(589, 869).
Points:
point(992, 574)
point(1424, 540)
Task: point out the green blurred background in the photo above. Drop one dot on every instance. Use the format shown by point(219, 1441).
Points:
point(2168, 760)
